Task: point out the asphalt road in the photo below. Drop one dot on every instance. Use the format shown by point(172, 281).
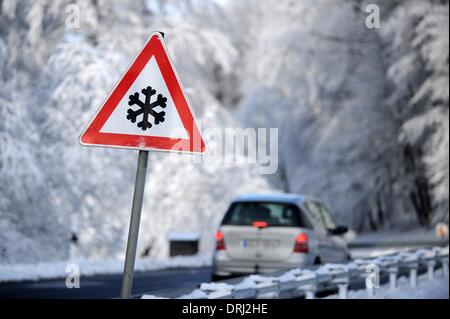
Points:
point(106, 286)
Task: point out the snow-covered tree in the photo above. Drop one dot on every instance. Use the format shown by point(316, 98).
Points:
point(362, 116)
point(343, 96)
point(415, 37)
point(57, 194)
point(315, 72)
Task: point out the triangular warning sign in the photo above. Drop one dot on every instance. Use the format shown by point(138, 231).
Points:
point(148, 109)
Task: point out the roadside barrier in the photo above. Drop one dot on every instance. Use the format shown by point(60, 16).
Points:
point(306, 282)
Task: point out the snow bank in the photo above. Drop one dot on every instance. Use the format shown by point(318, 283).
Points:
point(183, 236)
point(152, 297)
point(196, 294)
point(34, 272)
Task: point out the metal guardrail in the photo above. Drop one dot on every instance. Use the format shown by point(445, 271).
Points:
point(305, 282)
point(398, 243)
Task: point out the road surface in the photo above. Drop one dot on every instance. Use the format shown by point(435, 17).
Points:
point(106, 286)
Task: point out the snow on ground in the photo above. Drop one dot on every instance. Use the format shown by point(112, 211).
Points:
point(152, 297)
point(196, 294)
point(38, 271)
point(436, 288)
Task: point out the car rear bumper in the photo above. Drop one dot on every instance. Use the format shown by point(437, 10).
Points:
point(223, 265)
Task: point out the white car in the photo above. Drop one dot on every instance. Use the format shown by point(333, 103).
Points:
point(267, 233)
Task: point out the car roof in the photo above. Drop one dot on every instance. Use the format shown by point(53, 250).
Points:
point(274, 197)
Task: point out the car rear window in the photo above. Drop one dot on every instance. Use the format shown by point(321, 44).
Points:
point(274, 214)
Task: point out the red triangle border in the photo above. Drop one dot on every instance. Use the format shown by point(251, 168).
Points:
point(194, 144)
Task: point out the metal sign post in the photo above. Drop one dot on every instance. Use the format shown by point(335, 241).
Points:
point(128, 272)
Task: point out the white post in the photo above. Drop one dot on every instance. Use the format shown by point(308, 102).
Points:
point(445, 267)
point(431, 264)
point(309, 294)
point(413, 277)
point(343, 291)
point(370, 291)
point(393, 277)
point(310, 291)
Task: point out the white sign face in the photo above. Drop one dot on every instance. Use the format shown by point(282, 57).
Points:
point(150, 76)
point(147, 110)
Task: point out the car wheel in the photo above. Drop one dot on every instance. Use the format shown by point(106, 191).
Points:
point(217, 278)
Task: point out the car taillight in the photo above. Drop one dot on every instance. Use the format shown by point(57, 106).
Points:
point(301, 243)
point(220, 242)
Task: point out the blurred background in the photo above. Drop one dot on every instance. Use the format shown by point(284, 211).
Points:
point(362, 114)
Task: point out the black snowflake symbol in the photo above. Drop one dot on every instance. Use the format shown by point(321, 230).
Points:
point(146, 108)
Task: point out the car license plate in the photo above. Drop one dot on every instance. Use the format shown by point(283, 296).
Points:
point(260, 243)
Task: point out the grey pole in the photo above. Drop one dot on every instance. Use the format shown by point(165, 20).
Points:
point(128, 272)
